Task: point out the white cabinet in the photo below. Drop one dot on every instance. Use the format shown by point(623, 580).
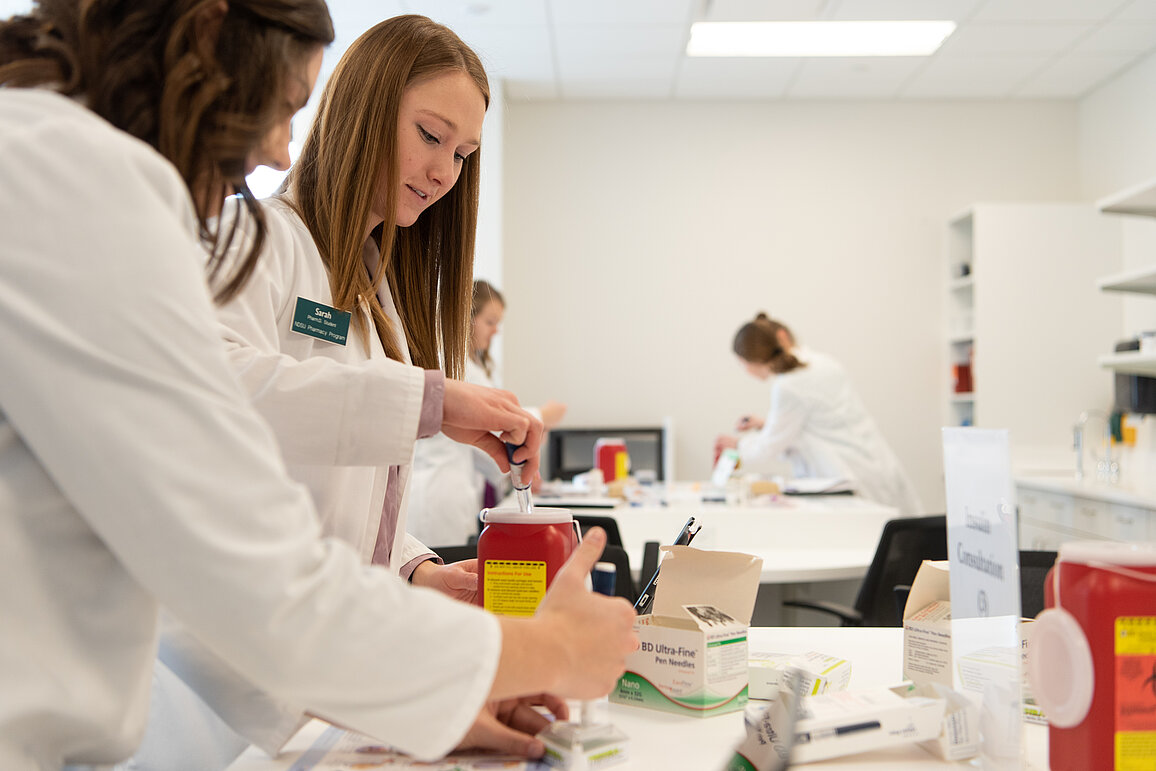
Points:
point(1049, 517)
point(1026, 315)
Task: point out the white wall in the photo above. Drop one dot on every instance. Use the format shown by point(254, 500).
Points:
point(638, 237)
point(488, 249)
point(1117, 132)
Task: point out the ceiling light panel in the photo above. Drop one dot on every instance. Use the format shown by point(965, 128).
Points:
point(819, 38)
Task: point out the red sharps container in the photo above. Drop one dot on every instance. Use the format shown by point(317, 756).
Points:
point(610, 455)
point(518, 556)
point(1092, 656)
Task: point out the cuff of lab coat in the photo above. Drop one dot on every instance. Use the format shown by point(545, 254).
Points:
point(432, 402)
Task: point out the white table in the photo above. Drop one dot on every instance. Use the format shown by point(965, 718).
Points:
point(800, 538)
point(661, 740)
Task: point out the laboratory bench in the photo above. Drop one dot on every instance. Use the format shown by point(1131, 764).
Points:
point(1055, 508)
point(661, 740)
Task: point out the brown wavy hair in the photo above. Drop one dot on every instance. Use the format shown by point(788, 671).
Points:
point(203, 102)
point(350, 147)
point(758, 342)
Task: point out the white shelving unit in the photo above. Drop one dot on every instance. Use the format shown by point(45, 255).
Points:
point(1138, 200)
point(1027, 317)
point(960, 315)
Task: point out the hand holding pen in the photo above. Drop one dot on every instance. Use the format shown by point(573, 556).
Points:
point(684, 537)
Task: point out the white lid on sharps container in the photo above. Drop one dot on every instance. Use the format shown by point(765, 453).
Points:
point(541, 515)
point(1060, 668)
point(1059, 660)
point(1109, 553)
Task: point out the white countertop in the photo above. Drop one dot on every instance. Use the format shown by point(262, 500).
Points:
point(1127, 494)
point(661, 740)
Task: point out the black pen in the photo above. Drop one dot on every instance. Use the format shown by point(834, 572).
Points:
point(684, 537)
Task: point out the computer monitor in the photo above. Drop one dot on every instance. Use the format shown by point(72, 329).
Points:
point(570, 451)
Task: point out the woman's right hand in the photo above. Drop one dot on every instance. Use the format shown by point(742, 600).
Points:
point(749, 422)
point(724, 442)
point(596, 632)
point(471, 413)
point(576, 644)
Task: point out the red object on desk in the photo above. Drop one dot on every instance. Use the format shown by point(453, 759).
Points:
point(610, 456)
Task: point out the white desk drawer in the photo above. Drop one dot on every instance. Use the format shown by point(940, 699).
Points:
point(1129, 523)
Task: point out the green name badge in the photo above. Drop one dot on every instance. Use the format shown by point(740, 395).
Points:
point(320, 321)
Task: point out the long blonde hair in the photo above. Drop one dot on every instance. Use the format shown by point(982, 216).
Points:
point(333, 185)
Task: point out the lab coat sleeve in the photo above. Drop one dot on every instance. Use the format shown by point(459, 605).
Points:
point(782, 427)
point(323, 411)
point(117, 383)
point(412, 549)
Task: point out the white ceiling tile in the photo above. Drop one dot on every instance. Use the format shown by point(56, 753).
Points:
point(978, 39)
point(1119, 37)
point(636, 67)
point(1072, 76)
point(1137, 10)
point(617, 88)
point(350, 19)
point(1048, 10)
point(621, 11)
point(854, 77)
point(512, 52)
point(764, 10)
point(904, 10)
point(724, 78)
point(472, 13)
point(972, 78)
point(606, 41)
point(518, 90)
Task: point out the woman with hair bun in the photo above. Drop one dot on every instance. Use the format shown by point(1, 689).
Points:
point(816, 420)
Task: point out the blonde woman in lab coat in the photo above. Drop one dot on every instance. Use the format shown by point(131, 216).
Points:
point(133, 470)
point(375, 230)
point(816, 419)
point(449, 478)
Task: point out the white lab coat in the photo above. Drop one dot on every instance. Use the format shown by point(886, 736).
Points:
point(818, 422)
point(342, 415)
point(445, 495)
point(134, 471)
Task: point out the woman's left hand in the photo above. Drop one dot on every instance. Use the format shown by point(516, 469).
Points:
point(510, 726)
point(458, 580)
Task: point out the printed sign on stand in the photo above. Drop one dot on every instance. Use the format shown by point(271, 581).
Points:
point(983, 551)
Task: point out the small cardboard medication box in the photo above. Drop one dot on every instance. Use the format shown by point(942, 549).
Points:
point(820, 673)
point(692, 656)
point(927, 640)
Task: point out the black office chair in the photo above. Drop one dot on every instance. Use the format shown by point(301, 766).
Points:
point(903, 546)
point(623, 580)
point(609, 524)
point(1034, 567)
point(467, 551)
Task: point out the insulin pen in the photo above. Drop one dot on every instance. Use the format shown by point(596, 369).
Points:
point(521, 487)
point(685, 536)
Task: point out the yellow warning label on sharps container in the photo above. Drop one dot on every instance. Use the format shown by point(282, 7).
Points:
point(1135, 693)
point(514, 587)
